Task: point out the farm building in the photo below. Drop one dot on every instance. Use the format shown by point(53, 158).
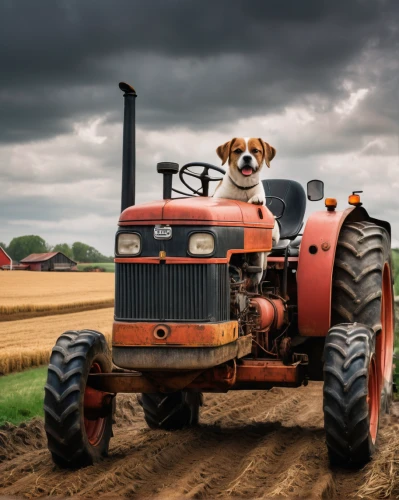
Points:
point(5, 259)
point(51, 261)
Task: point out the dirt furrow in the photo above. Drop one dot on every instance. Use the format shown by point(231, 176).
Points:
point(249, 444)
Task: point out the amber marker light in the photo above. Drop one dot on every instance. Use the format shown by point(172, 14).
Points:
point(331, 204)
point(354, 199)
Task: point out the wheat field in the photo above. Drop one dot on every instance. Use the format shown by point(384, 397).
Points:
point(25, 294)
point(28, 343)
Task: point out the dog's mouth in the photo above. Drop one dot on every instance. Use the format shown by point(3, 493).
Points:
point(247, 170)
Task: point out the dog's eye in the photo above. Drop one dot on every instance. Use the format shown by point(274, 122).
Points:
point(255, 151)
point(238, 151)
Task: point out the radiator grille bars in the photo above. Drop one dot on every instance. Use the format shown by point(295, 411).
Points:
point(172, 292)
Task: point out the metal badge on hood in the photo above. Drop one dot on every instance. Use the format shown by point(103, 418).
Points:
point(162, 232)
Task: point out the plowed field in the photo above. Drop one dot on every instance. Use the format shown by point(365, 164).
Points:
point(249, 445)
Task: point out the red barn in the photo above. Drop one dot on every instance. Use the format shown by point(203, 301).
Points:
point(5, 259)
point(51, 261)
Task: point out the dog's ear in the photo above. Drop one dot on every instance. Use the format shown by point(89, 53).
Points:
point(269, 152)
point(223, 151)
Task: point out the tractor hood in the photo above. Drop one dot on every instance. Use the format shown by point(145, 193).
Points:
point(199, 210)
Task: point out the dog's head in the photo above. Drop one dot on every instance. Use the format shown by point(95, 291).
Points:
point(245, 156)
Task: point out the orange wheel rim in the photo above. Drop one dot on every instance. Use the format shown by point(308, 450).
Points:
point(94, 428)
point(387, 322)
point(384, 344)
point(373, 399)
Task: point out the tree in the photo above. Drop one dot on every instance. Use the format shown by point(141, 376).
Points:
point(64, 248)
point(22, 246)
point(80, 251)
point(86, 253)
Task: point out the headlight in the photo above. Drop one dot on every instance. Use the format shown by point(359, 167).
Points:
point(201, 244)
point(128, 244)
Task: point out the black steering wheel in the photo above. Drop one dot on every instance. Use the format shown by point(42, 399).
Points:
point(204, 177)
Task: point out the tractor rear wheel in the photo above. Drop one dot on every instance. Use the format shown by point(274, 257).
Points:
point(171, 411)
point(362, 295)
point(363, 292)
point(78, 432)
point(351, 397)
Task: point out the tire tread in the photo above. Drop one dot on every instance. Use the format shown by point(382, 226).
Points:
point(70, 362)
point(171, 411)
point(346, 416)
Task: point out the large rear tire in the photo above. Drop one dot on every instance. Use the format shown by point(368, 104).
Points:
point(77, 437)
point(351, 397)
point(171, 411)
point(363, 292)
point(362, 295)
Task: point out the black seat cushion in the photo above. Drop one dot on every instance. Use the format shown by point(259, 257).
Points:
point(295, 200)
point(287, 245)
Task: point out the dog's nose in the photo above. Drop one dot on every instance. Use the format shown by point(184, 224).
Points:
point(247, 158)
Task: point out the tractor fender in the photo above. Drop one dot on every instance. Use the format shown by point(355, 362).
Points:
point(315, 270)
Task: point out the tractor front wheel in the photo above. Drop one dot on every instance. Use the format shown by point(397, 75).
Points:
point(78, 419)
point(171, 411)
point(351, 395)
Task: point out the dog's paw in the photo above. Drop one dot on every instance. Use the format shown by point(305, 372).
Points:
point(257, 199)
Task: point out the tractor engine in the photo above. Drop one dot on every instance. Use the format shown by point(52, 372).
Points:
point(263, 316)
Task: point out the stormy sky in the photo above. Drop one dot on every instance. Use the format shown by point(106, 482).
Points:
point(317, 79)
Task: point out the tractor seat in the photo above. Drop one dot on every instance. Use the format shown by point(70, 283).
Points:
point(291, 247)
point(294, 197)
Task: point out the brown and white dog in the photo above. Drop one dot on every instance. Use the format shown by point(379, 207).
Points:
point(246, 156)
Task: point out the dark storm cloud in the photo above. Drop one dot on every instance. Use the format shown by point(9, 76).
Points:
point(318, 79)
point(192, 62)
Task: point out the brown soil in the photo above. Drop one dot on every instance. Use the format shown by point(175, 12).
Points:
point(249, 445)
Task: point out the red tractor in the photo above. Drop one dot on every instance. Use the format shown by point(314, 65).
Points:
point(189, 317)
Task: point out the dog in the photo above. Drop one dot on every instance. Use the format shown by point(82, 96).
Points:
point(246, 156)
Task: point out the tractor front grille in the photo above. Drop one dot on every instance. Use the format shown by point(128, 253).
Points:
point(172, 292)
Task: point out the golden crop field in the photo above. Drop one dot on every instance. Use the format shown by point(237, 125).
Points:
point(26, 293)
point(27, 343)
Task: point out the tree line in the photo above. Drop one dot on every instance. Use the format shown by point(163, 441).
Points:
point(22, 246)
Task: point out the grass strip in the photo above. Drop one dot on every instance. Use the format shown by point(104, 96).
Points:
point(21, 395)
point(395, 265)
point(396, 351)
point(396, 374)
point(108, 266)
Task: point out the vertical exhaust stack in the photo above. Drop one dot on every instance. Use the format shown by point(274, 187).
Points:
point(129, 147)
